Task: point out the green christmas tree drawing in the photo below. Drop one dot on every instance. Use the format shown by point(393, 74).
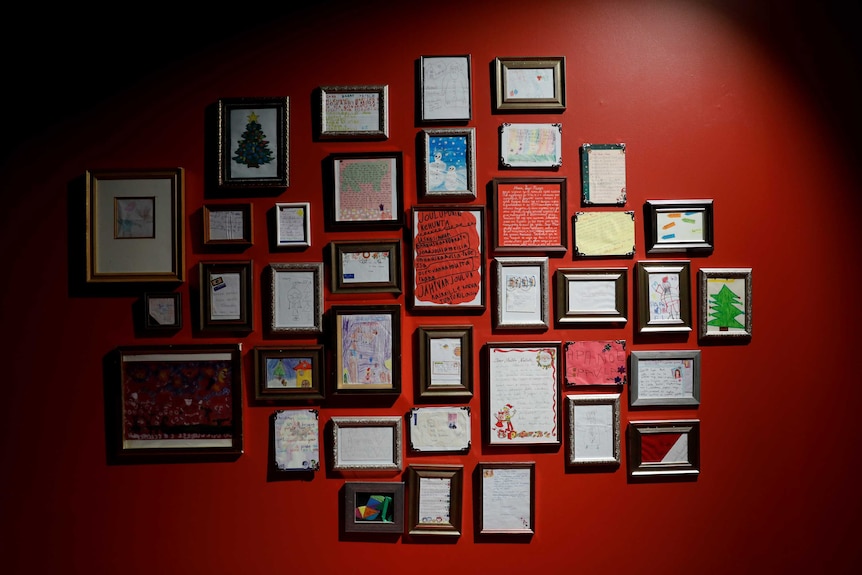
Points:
point(723, 309)
point(278, 370)
point(253, 149)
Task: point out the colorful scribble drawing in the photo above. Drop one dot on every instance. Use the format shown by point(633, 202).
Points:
point(532, 145)
point(723, 309)
point(664, 297)
point(681, 226)
point(447, 163)
point(134, 218)
point(374, 507)
point(366, 349)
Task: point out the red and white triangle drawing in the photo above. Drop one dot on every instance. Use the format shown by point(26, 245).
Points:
point(664, 448)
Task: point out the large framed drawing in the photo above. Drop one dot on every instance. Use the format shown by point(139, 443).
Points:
point(295, 304)
point(531, 145)
point(591, 295)
point(445, 362)
point(289, 373)
point(435, 492)
point(296, 439)
point(365, 191)
point(367, 443)
point(665, 378)
point(664, 448)
point(507, 498)
point(522, 293)
point(679, 226)
point(367, 349)
point(664, 296)
point(594, 429)
point(175, 403)
point(604, 234)
point(529, 215)
point(449, 164)
point(530, 84)
point(134, 226)
point(253, 143)
point(225, 296)
point(445, 88)
point(374, 507)
point(354, 112)
point(439, 429)
point(365, 266)
point(724, 304)
point(603, 174)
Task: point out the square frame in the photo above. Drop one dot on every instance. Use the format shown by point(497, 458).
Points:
point(531, 145)
point(603, 174)
point(445, 88)
point(298, 368)
point(135, 226)
point(435, 493)
point(295, 305)
point(366, 266)
point(296, 439)
point(679, 226)
point(232, 309)
point(362, 443)
point(593, 429)
point(664, 296)
point(522, 293)
point(529, 215)
point(292, 225)
point(362, 497)
point(664, 448)
point(511, 486)
point(591, 296)
point(665, 378)
point(366, 343)
point(448, 164)
point(228, 225)
point(521, 86)
point(445, 362)
point(248, 130)
point(163, 311)
point(719, 307)
point(604, 234)
point(146, 426)
point(354, 112)
point(439, 429)
point(365, 191)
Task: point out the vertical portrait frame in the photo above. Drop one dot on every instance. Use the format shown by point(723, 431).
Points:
point(247, 129)
point(523, 292)
point(435, 494)
point(445, 362)
point(232, 309)
point(296, 439)
point(511, 486)
point(366, 339)
point(295, 304)
point(529, 215)
point(593, 430)
point(292, 225)
point(603, 174)
point(664, 296)
point(163, 311)
point(382, 200)
point(723, 295)
point(448, 164)
point(446, 88)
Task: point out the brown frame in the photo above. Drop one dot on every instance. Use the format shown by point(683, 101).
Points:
point(520, 217)
point(245, 228)
point(418, 525)
point(151, 322)
point(277, 120)
point(505, 101)
point(340, 283)
point(336, 189)
point(566, 314)
point(316, 390)
point(207, 270)
point(427, 389)
point(355, 489)
point(379, 132)
point(341, 366)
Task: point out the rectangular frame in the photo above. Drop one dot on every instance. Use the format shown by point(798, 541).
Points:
point(439, 429)
point(227, 225)
point(604, 234)
point(448, 253)
point(295, 305)
point(365, 191)
point(373, 507)
point(594, 429)
point(448, 164)
point(232, 309)
point(720, 307)
point(289, 373)
point(665, 378)
point(531, 145)
point(163, 311)
point(523, 395)
point(146, 425)
point(664, 448)
point(354, 112)
point(603, 174)
point(445, 88)
point(664, 296)
point(253, 143)
point(595, 362)
point(521, 84)
point(591, 295)
point(445, 362)
point(366, 343)
point(523, 293)
point(292, 225)
point(296, 439)
point(365, 266)
point(435, 493)
point(679, 226)
point(529, 215)
point(135, 226)
point(362, 443)
point(506, 498)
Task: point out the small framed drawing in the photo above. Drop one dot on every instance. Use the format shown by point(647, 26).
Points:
point(366, 443)
point(365, 191)
point(531, 145)
point(292, 225)
point(665, 378)
point(679, 226)
point(366, 266)
point(522, 293)
point(295, 305)
point(724, 297)
point(595, 362)
point(296, 439)
point(354, 112)
point(445, 88)
point(145, 424)
point(289, 373)
point(664, 296)
point(445, 356)
point(226, 296)
point(253, 142)
point(530, 84)
point(448, 258)
point(227, 225)
point(163, 311)
point(374, 507)
point(603, 174)
point(604, 234)
point(507, 498)
point(435, 493)
point(367, 349)
point(594, 429)
point(134, 226)
point(664, 448)
point(523, 393)
point(439, 429)
point(591, 295)
point(529, 215)
point(449, 165)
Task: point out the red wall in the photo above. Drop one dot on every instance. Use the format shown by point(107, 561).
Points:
point(729, 103)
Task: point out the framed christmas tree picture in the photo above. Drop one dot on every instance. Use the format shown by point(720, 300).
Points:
point(253, 143)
